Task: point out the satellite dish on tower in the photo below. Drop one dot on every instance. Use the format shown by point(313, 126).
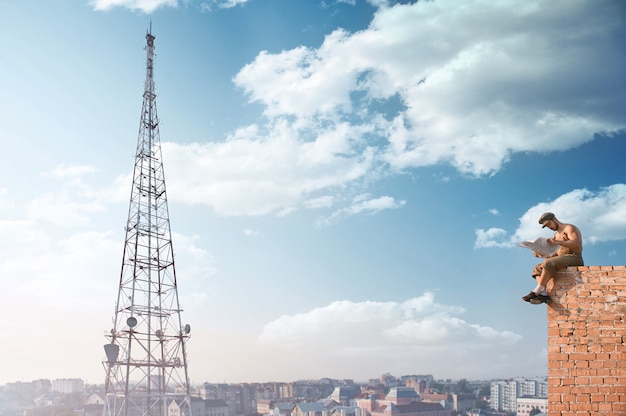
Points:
point(131, 322)
point(187, 329)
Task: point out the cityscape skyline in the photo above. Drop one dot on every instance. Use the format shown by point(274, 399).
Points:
point(401, 377)
point(325, 396)
point(347, 180)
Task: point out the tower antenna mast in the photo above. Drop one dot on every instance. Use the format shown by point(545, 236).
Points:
point(146, 358)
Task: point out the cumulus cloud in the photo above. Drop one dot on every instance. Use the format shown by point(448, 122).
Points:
point(149, 6)
point(362, 204)
point(5, 200)
point(469, 97)
point(64, 170)
point(146, 6)
point(198, 266)
point(69, 201)
point(47, 270)
point(227, 4)
point(408, 92)
point(386, 331)
point(404, 93)
point(601, 216)
point(256, 174)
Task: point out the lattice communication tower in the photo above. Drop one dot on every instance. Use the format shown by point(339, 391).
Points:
point(146, 360)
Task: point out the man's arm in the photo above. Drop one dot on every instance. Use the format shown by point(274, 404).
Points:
point(570, 239)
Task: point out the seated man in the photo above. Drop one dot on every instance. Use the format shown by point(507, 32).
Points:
point(570, 240)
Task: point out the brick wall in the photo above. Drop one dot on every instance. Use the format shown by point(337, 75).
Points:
point(587, 342)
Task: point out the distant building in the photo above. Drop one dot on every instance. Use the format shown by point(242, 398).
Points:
point(264, 406)
point(344, 411)
point(93, 405)
point(309, 409)
point(314, 390)
point(240, 399)
point(282, 409)
point(345, 396)
point(418, 382)
point(457, 402)
point(525, 405)
point(400, 401)
point(42, 385)
point(22, 389)
point(482, 412)
point(94, 399)
point(504, 393)
point(215, 407)
point(199, 407)
point(175, 408)
point(68, 385)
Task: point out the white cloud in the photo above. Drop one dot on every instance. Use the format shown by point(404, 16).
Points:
point(493, 237)
point(404, 93)
point(64, 170)
point(418, 330)
point(227, 4)
point(5, 200)
point(48, 271)
point(320, 202)
point(601, 216)
point(362, 204)
point(146, 6)
point(62, 209)
point(253, 174)
point(507, 79)
point(63, 289)
point(68, 203)
point(197, 266)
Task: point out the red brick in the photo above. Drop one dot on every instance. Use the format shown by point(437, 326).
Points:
point(586, 342)
point(555, 389)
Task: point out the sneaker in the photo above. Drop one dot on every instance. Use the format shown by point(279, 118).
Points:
point(528, 297)
point(539, 299)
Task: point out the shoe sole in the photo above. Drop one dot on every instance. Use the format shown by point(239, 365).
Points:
point(527, 299)
point(536, 301)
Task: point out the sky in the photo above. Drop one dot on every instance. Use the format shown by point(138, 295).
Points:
point(347, 180)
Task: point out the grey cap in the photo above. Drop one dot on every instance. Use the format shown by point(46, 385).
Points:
point(547, 216)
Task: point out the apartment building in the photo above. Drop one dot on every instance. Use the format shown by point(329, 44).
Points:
point(525, 405)
point(505, 393)
point(240, 399)
point(68, 385)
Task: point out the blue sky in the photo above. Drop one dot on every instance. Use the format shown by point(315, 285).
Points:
point(347, 180)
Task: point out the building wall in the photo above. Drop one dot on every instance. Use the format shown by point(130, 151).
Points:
point(505, 393)
point(68, 385)
point(587, 342)
point(525, 405)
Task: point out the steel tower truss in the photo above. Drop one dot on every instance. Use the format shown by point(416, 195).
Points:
point(146, 365)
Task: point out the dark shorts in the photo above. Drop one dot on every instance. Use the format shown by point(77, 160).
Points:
point(554, 264)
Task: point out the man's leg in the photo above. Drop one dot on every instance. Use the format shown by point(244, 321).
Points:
point(550, 267)
point(542, 281)
point(542, 276)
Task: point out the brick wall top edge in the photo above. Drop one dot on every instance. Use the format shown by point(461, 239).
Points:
point(586, 268)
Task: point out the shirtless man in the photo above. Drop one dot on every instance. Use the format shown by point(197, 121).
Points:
point(570, 240)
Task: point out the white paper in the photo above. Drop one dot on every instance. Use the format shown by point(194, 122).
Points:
point(541, 247)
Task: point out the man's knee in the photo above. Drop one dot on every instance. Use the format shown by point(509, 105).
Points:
point(550, 267)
